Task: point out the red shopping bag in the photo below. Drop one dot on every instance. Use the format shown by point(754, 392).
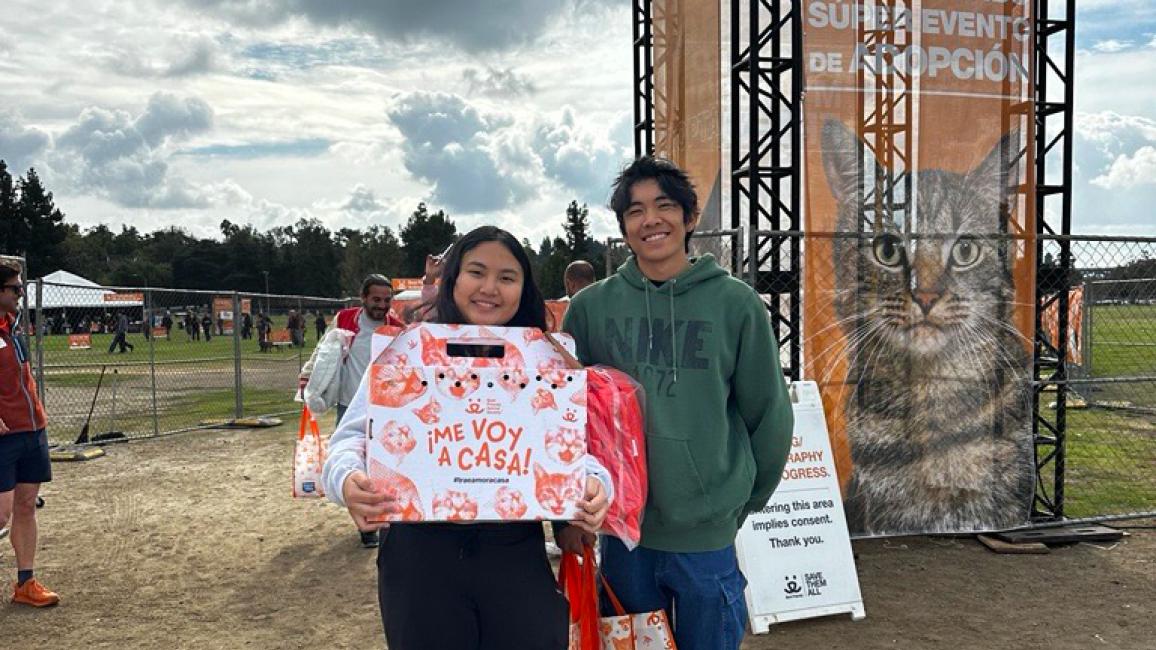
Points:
point(577, 580)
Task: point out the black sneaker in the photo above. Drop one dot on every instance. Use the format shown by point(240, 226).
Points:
point(369, 539)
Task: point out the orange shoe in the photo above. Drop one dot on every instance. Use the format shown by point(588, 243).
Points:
point(35, 594)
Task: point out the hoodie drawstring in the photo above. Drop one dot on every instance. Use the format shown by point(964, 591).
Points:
point(673, 325)
point(649, 322)
point(673, 330)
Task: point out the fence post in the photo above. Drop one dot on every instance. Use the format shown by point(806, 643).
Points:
point(239, 400)
point(1089, 305)
point(293, 337)
point(39, 334)
point(151, 338)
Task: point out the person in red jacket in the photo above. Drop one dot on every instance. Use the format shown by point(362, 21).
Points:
point(24, 462)
point(376, 300)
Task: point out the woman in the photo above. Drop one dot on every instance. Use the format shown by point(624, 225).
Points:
point(472, 586)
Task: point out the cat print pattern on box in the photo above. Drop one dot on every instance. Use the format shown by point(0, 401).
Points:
point(565, 445)
point(401, 487)
point(508, 503)
point(542, 400)
point(513, 380)
point(395, 386)
point(554, 491)
point(453, 505)
point(397, 440)
point(457, 383)
point(428, 414)
point(938, 399)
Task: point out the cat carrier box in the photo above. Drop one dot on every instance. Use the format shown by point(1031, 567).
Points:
point(473, 423)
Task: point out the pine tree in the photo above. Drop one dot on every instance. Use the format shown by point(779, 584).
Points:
point(577, 227)
point(40, 225)
point(425, 234)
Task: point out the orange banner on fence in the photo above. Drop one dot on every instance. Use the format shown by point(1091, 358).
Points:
point(79, 341)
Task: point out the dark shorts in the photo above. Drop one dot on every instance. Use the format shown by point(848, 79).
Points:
point(24, 459)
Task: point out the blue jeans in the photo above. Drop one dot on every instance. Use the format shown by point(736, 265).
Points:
point(702, 593)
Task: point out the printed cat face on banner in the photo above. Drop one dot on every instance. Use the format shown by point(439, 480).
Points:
point(477, 423)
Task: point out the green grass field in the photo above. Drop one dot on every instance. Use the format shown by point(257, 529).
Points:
point(179, 348)
point(1123, 340)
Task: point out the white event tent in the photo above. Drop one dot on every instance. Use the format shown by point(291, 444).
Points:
point(64, 290)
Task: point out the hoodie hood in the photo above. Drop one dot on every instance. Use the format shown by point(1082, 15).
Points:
point(701, 269)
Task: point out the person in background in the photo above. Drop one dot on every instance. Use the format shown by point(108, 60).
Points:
point(578, 276)
point(24, 460)
point(120, 338)
point(376, 297)
point(207, 326)
point(320, 324)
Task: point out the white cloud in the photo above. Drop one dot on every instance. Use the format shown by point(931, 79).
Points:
point(584, 161)
point(450, 144)
point(498, 82)
point(19, 144)
point(1129, 171)
point(113, 154)
point(1112, 45)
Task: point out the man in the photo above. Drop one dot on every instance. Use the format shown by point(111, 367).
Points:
point(246, 326)
point(320, 324)
point(296, 326)
point(207, 326)
point(24, 462)
point(719, 419)
point(120, 338)
point(578, 276)
point(376, 299)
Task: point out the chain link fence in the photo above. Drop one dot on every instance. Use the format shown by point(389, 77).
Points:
point(1110, 448)
point(143, 361)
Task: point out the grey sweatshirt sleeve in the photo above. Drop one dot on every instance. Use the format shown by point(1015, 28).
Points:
point(347, 445)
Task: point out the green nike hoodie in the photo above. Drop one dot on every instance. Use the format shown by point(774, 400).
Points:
point(718, 415)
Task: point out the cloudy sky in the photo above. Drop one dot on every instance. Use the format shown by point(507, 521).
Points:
point(186, 112)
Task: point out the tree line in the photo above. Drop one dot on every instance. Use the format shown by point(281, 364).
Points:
point(305, 258)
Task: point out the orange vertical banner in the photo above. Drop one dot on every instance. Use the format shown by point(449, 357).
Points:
point(919, 259)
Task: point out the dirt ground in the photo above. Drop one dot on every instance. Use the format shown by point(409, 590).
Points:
point(192, 541)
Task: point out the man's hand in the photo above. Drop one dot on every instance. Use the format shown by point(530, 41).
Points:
point(363, 501)
point(593, 507)
point(571, 539)
point(433, 269)
point(3, 427)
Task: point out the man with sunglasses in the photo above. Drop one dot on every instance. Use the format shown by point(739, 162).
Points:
point(24, 462)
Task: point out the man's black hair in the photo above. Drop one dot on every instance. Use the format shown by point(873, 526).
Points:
point(9, 269)
point(673, 182)
point(374, 280)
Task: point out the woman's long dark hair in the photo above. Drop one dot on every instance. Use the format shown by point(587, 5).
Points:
point(531, 309)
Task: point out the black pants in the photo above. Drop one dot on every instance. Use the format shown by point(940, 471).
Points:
point(120, 340)
point(472, 587)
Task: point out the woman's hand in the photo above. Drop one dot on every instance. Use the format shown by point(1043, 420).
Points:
point(571, 539)
point(593, 507)
point(364, 502)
